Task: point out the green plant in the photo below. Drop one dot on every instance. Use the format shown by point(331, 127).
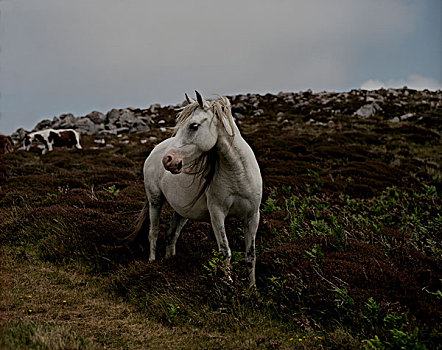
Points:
point(219, 269)
point(343, 300)
point(277, 284)
point(397, 337)
point(271, 204)
point(338, 233)
point(286, 190)
point(437, 293)
point(317, 185)
point(173, 311)
point(430, 190)
point(371, 312)
point(50, 195)
point(315, 255)
point(215, 263)
point(111, 192)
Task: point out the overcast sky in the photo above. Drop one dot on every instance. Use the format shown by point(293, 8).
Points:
point(66, 56)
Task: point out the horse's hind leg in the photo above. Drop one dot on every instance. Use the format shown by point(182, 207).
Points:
point(252, 227)
point(77, 145)
point(176, 225)
point(155, 205)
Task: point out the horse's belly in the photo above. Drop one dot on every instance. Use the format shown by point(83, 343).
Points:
point(181, 191)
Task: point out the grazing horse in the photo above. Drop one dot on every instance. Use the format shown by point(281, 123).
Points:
point(51, 137)
point(6, 144)
point(206, 172)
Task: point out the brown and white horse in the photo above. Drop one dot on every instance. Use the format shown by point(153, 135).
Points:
point(52, 137)
point(6, 144)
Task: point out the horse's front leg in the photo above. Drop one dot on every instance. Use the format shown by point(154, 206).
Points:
point(154, 216)
point(217, 218)
point(252, 223)
point(176, 225)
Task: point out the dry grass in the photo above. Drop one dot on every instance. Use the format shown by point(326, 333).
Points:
point(48, 307)
point(43, 306)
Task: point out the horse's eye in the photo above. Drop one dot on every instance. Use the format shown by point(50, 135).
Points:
point(194, 126)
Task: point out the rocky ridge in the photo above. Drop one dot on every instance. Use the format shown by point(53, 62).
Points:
point(394, 105)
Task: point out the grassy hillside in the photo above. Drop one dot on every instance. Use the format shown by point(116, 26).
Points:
point(349, 246)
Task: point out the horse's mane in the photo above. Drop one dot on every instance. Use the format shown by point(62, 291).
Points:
point(204, 167)
point(220, 108)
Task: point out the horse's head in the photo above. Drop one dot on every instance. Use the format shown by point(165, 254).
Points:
point(197, 131)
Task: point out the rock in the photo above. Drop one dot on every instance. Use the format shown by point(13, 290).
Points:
point(44, 124)
point(289, 99)
point(239, 107)
point(112, 116)
point(86, 126)
point(154, 108)
point(146, 120)
point(406, 116)
point(97, 117)
point(100, 141)
point(19, 135)
point(127, 119)
point(66, 116)
point(258, 112)
point(66, 121)
point(368, 110)
point(303, 103)
point(122, 130)
point(402, 118)
point(393, 92)
point(139, 127)
point(107, 132)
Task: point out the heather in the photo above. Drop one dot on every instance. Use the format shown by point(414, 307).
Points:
point(348, 249)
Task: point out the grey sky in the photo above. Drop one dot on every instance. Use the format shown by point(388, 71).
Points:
point(60, 56)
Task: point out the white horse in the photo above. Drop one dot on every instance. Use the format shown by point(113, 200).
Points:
point(206, 172)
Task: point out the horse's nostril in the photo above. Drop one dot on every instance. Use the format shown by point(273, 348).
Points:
point(180, 165)
point(169, 159)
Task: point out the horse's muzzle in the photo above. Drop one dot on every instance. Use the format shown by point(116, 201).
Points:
point(172, 162)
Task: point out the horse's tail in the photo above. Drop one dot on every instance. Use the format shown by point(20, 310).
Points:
point(141, 224)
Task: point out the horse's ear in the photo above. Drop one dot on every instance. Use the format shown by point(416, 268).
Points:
point(201, 101)
point(189, 99)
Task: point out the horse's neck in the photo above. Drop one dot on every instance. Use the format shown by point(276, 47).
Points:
point(232, 155)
